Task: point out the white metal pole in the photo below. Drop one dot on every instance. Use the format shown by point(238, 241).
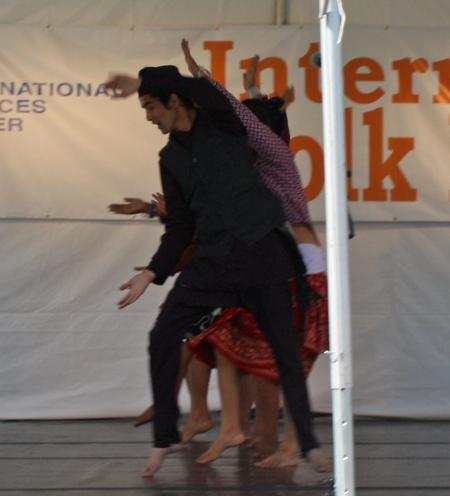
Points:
point(280, 12)
point(332, 18)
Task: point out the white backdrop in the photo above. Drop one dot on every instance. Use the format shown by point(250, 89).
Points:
point(65, 351)
point(68, 150)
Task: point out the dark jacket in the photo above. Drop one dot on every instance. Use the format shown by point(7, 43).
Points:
point(221, 188)
point(213, 191)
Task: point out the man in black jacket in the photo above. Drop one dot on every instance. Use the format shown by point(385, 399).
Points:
point(212, 191)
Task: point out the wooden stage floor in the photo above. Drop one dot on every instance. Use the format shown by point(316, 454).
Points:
point(104, 457)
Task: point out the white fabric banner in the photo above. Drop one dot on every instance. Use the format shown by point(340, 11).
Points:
point(67, 150)
point(65, 349)
point(67, 352)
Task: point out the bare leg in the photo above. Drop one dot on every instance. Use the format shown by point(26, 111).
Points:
point(287, 454)
point(157, 457)
point(158, 454)
point(246, 399)
point(199, 419)
point(147, 415)
point(230, 432)
point(267, 413)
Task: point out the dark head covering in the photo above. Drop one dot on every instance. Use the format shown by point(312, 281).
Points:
point(164, 79)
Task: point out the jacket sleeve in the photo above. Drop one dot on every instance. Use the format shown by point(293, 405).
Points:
point(179, 229)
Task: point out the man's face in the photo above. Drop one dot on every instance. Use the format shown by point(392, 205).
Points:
point(163, 117)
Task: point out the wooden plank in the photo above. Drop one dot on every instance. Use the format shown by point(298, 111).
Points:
point(181, 473)
point(176, 492)
point(237, 492)
point(75, 450)
point(96, 457)
point(385, 491)
point(67, 431)
point(407, 450)
point(114, 430)
point(224, 473)
point(141, 450)
point(121, 430)
point(401, 431)
point(403, 473)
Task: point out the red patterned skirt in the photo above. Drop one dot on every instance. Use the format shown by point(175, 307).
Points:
point(236, 335)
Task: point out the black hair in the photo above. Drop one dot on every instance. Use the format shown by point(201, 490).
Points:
point(268, 111)
point(163, 81)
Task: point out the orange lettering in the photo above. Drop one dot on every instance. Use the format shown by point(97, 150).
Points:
point(315, 152)
point(406, 69)
point(379, 170)
point(279, 68)
point(352, 76)
point(218, 58)
point(443, 67)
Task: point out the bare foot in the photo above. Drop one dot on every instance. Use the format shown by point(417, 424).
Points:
point(194, 427)
point(254, 441)
point(157, 457)
point(319, 460)
point(145, 417)
point(281, 458)
point(222, 442)
point(265, 449)
point(248, 435)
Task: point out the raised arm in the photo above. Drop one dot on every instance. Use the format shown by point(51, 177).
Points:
point(250, 80)
point(262, 139)
point(194, 68)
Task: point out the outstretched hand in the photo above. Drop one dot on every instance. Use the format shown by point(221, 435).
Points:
point(136, 285)
point(160, 204)
point(133, 206)
point(122, 85)
point(250, 74)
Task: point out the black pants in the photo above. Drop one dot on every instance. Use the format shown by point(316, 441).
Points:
point(272, 308)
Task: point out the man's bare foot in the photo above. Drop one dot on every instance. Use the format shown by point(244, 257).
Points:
point(283, 457)
point(157, 457)
point(222, 442)
point(319, 460)
point(194, 427)
point(145, 417)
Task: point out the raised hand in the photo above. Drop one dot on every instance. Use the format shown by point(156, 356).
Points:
point(191, 63)
point(133, 206)
point(122, 85)
point(288, 97)
point(250, 74)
